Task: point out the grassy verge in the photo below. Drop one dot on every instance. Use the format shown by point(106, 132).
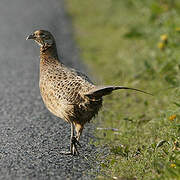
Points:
point(135, 43)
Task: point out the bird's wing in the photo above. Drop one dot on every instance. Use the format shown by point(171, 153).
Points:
point(83, 76)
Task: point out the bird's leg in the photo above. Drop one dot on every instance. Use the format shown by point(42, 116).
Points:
point(71, 139)
point(73, 148)
point(73, 142)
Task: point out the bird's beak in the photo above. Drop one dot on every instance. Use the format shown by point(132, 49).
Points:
point(31, 36)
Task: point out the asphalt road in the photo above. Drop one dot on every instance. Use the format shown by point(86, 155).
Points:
point(30, 136)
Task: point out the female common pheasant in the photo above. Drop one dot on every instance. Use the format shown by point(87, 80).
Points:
point(67, 93)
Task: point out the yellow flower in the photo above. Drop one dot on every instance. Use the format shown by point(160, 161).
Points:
point(177, 29)
point(172, 117)
point(164, 37)
point(161, 45)
point(173, 165)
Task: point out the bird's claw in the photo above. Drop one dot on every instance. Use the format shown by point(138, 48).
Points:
point(73, 149)
point(66, 152)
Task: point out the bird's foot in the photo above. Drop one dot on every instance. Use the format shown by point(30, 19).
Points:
point(73, 147)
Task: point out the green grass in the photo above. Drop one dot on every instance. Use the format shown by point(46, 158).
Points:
point(120, 40)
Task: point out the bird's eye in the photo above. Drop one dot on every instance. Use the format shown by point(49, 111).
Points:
point(43, 35)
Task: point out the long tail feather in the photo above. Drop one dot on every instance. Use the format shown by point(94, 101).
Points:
point(103, 91)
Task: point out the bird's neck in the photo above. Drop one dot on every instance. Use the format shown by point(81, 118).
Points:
point(48, 52)
point(49, 58)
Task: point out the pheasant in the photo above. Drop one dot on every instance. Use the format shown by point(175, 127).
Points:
point(68, 93)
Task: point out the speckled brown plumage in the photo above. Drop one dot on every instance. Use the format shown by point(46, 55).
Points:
point(67, 93)
point(63, 90)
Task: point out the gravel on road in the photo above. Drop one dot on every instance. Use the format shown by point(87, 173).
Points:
point(30, 136)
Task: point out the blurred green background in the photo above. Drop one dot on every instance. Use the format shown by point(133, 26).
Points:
point(134, 43)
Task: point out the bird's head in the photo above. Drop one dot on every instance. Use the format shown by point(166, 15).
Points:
point(44, 38)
